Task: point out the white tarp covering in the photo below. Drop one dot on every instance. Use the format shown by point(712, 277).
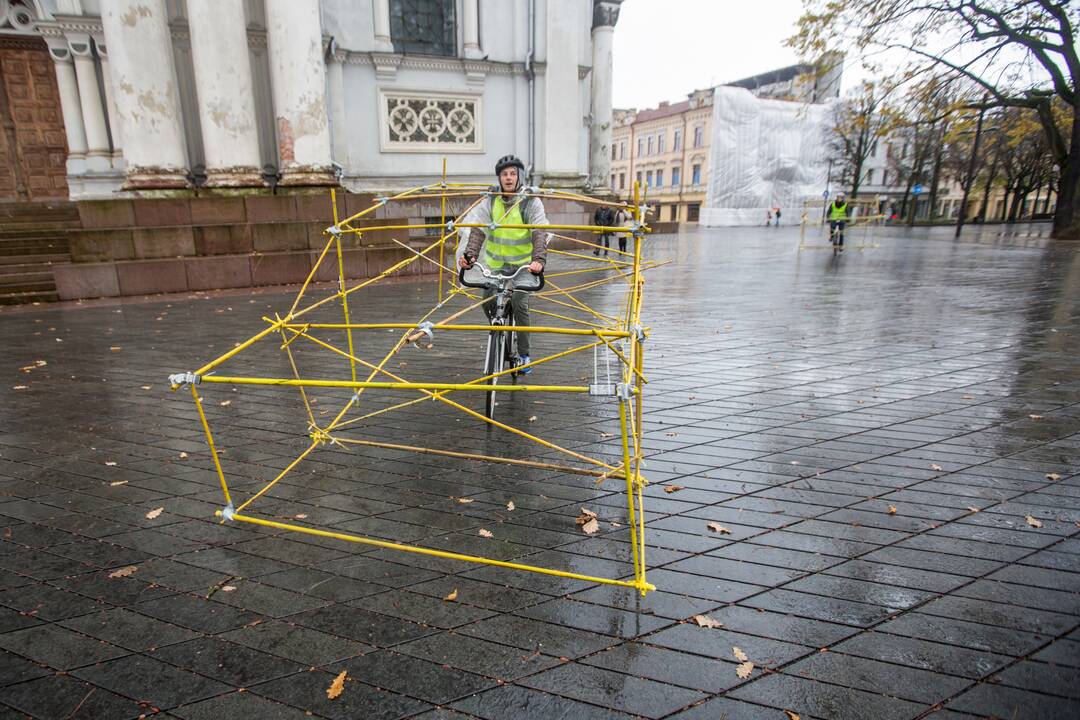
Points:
point(764, 154)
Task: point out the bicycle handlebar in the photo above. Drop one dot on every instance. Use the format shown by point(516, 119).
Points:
point(532, 281)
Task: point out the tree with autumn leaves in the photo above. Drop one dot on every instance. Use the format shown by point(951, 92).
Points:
point(1019, 54)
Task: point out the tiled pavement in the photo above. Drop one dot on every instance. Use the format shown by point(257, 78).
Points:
point(797, 397)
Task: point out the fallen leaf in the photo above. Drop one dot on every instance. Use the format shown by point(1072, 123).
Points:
point(892, 509)
point(146, 387)
point(707, 622)
point(1053, 476)
point(183, 454)
point(21, 387)
point(1033, 522)
point(791, 715)
point(673, 488)
point(935, 467)
point(532, 419)
point(154, 513)
point(337, 686)
point(745, 669)
point(968, 397)
point(590, 527)
point(110, 463)
point(451, 596)
point(464, 501)
point(973, 509)
point(116, 348)
point(300, 516)
point(1035, 417)
point(671, 434)
point(228, 588)
point(226, 403)
point(123, 572)
point(510, 506)
point(717, 527)
point(485, 534)
point(739, 654)
point(118, 482)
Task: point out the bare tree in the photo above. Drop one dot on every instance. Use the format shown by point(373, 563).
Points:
point(857, 124)
point(1022, 53)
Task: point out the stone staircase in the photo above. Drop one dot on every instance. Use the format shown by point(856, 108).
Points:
point(33, 236)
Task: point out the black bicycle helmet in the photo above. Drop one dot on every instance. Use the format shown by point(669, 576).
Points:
point(509, 161)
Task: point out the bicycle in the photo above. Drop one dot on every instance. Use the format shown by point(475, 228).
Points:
point(836, 234)
point(501, 350)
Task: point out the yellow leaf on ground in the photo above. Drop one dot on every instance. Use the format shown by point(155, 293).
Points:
point(590, 527)
point(183, 455)
point(110, 463)
point(707, 622)
point(146, 387)
point(226, 403)
point(935, 467)
point(1035, 417)
point(451, 596)
point(973, 508)
point(20, 387)
point(116, 348)
point(510, 506)
point(485, 534)
point(1053, 476)
point(673, 488)
point(791, 715)
point(123, 572)
point(464, 501)
point(892, 509)
point(744, 670)
point(118, 482)
point(228, 588)
point(717, 527)
point(739, 654)
point(337, 686)
point(300, 516)
point(532, 418)
point(1033, 522)
point(154, 513)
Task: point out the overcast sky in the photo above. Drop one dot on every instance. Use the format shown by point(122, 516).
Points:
point(663, 49)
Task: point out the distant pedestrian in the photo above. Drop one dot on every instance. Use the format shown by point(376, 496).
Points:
point(604, 217)
point(622, 219)
point(768, 218)
point(777, 217)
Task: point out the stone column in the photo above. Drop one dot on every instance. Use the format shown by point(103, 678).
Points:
point(70, 108)
point(383, 43)
point(140, 47)
point(472, 30)
point(298, 80)
point(93, 112)
point(562, 97)
point(338, 129)
point(226, 100)
point(110, 104)
point(605, 15)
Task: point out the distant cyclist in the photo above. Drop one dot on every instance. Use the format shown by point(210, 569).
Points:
point(505, 250)
point(838, 217)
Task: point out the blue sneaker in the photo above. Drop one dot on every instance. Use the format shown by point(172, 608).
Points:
point(525, 361)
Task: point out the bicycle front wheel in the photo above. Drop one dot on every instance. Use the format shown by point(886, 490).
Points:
point(493, 364)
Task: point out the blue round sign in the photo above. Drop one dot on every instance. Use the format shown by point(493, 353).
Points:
point(916, 190)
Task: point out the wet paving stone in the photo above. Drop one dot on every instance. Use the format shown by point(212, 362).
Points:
point(137, 676)
point(307, 690)
point(902, 375)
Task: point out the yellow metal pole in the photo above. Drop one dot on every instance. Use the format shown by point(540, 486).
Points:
point(286, 382)
point(314, 269)
point(210, 442)
point(442, 248)
point(474, 328)
point(341, 288)
point(643, 587)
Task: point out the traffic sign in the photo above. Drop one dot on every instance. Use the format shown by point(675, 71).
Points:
point(825, 194)
point(916, 190)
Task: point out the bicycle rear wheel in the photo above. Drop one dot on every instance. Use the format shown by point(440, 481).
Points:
point(493, 364)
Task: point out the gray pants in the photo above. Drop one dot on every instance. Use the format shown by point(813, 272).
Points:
point(519, 303)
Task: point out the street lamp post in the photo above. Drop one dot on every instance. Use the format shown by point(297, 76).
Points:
point(825, 195)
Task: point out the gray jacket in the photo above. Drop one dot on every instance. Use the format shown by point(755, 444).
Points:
point(532, 212)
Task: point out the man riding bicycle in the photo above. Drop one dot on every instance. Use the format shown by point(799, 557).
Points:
point(505, 250)
point(838, 215)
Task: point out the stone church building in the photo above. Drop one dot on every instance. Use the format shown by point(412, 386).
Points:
point(178, 138)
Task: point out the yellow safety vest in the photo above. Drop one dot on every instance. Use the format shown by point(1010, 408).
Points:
point(838, 212)
point(506, 246)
